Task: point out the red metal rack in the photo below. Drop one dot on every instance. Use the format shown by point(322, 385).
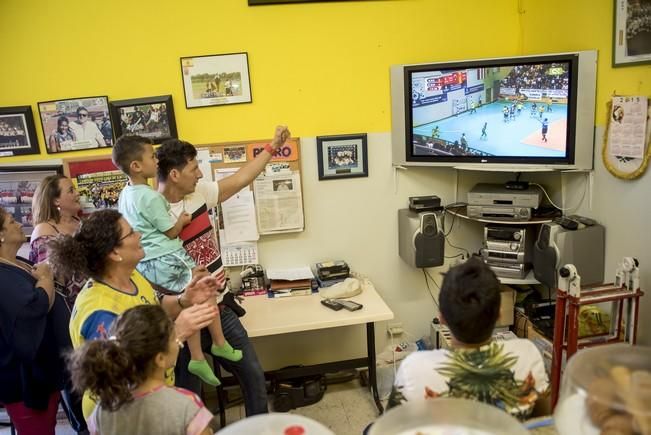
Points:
point(566, 322)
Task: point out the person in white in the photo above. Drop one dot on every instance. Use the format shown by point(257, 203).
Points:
point(86, 130)
point(509, 374)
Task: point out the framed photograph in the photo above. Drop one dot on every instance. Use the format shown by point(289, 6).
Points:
point(151, 117)
point(17, 186)
point(342, 156)
point(216, 79)
point(17, 131)
point(76, 124)
point(632, 32)
point(98, 181)
point(271, 2)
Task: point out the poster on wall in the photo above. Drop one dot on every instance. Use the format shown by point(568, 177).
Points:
point(17, 187)
point(98, 181)
point(215, 80)
point(76, 124)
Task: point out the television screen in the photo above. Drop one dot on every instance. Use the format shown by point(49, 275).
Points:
point(511, 110)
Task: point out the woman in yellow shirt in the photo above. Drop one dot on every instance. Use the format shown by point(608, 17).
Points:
point(107, 249)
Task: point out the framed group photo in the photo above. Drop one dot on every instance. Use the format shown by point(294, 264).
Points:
point(151, 117)
point(17, 187)
point(97, 180)
point(17, 131)
point(343, 156)
point(215, 80)
point(632, 32)
point(76, 124)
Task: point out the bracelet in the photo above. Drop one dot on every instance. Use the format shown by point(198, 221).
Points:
point(268, 148)
point(178, 301)
point(179, 342)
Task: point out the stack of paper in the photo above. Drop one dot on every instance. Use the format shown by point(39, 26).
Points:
point(290, 282)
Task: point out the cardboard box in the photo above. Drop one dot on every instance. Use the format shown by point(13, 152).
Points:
point(506, 307)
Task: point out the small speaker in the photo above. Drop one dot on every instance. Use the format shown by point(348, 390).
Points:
point(429, 224)
point(421, 240)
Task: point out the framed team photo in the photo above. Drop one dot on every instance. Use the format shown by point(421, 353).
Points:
point(151, 117)
point(215, 80)
point(343, 156)
point(97, 180)
point(17, 131)
point(76, 124)
point(17, 187)
point(631, 32)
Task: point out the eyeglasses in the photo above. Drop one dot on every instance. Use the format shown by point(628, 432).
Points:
point(126, 235)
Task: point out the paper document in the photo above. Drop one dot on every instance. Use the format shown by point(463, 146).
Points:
point(627, 128)
point(278, 202)
point(203, 158)
point(238, 212)
point(293, 274)
point(227, 172)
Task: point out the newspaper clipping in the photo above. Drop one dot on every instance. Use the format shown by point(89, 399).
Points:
point(278, 201)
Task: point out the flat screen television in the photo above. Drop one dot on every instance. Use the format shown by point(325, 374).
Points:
point(519, 113)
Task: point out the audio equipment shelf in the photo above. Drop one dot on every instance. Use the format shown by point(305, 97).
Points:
point(463, 213)
point(529, 279)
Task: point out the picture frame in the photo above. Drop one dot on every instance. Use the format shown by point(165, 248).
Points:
point(98, 181)
point(272, 2)
point(151, 117)
point(75, 124)
point(17, 131)
point(342, 156)
point(17, 187)
point(631, 42)
point(216, 80)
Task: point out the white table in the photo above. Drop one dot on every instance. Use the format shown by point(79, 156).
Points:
point(273, 316)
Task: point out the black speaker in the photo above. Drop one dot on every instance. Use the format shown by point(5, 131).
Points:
point(429, 241)
point(421, 241)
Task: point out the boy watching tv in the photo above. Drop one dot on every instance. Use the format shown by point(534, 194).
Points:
point(509, 374)
point(166, 264)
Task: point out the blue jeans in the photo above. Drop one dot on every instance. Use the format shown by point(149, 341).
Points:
point(247, 371)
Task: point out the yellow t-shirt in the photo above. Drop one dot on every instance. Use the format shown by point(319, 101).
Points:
point(96, 308)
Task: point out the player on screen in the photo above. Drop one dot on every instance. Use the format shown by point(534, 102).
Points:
point(545, 127)
point(484, 135)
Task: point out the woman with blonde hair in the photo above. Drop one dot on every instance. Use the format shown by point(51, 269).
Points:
point(55, 209)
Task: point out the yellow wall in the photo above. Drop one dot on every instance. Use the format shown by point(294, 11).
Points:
point(322, 68)
point(561, 25)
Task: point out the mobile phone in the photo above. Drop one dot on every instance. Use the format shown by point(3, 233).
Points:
point(332, 304)
point(349, 305)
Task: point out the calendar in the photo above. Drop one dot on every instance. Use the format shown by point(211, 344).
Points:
point(239, 254)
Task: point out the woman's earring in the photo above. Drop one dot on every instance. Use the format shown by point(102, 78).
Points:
point(119, 258)
point(2, 240)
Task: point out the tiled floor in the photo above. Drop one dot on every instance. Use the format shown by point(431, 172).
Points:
point(346, 408)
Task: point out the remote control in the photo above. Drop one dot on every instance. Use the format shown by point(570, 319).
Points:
point(349, 305)
point(332, 304)
point(583, 220)
point(566, 223)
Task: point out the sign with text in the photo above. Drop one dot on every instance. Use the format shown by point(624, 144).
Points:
point(286, 153)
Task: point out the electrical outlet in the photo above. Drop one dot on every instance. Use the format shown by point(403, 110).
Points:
point(395, 328)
